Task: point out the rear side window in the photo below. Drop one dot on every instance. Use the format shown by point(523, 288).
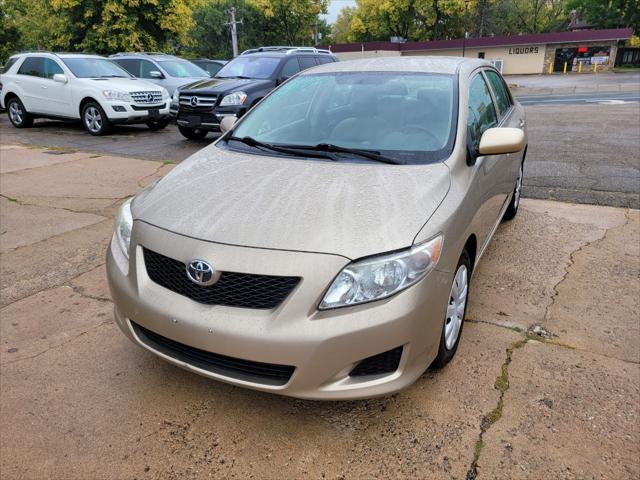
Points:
point(325, 59)
point(131, 65)
point(482, 113)
point(146, 67)
point(307, 62)
point(10, 63)
point(32, 66)
point(290, 68)
point(500, 91)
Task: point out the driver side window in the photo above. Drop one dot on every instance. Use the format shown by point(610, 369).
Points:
point(482, 112)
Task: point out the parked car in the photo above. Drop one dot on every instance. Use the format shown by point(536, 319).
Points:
point(244, 81)
point(323, 246)
point(168, 71)
point(78, 86)
point(212, 67)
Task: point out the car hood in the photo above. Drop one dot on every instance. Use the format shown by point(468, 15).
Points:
point(123, 84)
point(221, 85)
point(343, 208)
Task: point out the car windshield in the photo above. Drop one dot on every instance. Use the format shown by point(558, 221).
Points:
point(408, 117)
point(182, 69)
point(89, 67)
point(249, 67)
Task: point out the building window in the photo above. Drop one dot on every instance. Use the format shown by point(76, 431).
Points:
point(480, 54)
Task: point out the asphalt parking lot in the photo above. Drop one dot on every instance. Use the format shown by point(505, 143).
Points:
point(546, 383)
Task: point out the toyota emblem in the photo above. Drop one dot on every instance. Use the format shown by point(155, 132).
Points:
point(201, 273)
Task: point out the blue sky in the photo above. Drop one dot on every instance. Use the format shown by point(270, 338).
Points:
point(335, 6)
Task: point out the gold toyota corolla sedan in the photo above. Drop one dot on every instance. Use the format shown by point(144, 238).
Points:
point(322, 248)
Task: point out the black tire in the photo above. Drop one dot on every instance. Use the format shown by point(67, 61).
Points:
point(18, 115)
point(94, 120)
point(157, 124)
point(512, 209)
point(192, 133)
point(446, 353)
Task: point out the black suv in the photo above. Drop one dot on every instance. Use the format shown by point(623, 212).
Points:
point(200, 106)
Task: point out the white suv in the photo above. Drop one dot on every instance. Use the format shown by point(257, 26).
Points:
point(76, 86)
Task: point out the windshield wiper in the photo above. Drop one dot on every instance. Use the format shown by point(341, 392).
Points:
point(252, 142)
point(112, 76)
point(329, 147)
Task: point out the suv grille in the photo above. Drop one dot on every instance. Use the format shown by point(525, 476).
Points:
point(232, 289)
point(257, 372)
point(198, 101)
point(147, 98)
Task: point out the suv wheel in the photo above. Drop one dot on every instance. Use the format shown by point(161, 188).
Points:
point(158, 124)
point(456, 310)
point(94, 119)
point(193, 133)
point(18, 115)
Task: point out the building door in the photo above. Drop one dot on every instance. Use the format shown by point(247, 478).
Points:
point(564, 55)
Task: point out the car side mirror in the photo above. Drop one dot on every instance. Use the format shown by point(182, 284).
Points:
point(499, 141)
point(60, 78)
point(155, 74)
point(227, 123)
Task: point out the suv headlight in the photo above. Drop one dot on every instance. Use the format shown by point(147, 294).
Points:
point(176, 97)
point(117, 95)
point(381, 276)
point(165, 94)
point(123, 225)
point(235, 98)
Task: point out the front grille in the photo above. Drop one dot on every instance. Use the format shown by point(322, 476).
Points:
point(147, 98)
point(247, 370)
point(244, 290)
point(383, 363)
point(141, 109)
point(198, 101)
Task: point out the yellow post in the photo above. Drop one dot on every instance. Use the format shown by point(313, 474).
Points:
point(595, 67)
point(580, 67)
point(550, 68)
point(565, 68)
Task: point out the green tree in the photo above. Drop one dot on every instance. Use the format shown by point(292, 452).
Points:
point(513, 17)
point(341, 28)
point(292, 20)
point(608, 13)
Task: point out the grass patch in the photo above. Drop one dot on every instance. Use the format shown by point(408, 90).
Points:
point(167, 162)
point(95, 156)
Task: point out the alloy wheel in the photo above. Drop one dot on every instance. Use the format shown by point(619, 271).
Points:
point(15, 113)
point(93, 119)
point(455, 309)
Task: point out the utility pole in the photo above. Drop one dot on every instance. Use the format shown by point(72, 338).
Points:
point(234, 30)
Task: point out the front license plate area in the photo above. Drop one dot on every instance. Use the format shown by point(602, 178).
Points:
point(154, 113)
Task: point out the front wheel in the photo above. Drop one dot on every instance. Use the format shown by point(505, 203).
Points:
point(94, 119)
point(157, 124)
point(18, 114)
point(193, 133)
point(512, 209)
point(456, 310)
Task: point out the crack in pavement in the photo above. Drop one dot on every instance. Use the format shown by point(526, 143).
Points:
point(53, 347)
point(80, 291)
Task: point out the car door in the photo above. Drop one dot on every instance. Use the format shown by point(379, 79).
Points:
point(30, 80)
point(56, 96)
point(511, 117)
point(488, 178)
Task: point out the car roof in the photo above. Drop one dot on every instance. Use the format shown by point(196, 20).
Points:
point(419, 64)
point(148, 55)
point(277, 54)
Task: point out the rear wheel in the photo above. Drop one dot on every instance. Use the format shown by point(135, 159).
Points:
point(512, 209)
point(94, 119)
point(18, 115)
point(193, 133)
point(456, 310)
point(158, 124)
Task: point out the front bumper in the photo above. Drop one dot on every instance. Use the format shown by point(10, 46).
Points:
point(205, 119)
point(323, 346)
point(124, 112)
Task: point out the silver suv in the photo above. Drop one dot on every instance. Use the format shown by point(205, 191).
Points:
point(168, 71)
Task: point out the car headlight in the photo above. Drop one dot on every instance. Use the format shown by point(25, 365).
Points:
point(117, 95)
point(165, 94)
point(381, 276)
point(176, 96)
point(123, 225)
point(235, 98)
